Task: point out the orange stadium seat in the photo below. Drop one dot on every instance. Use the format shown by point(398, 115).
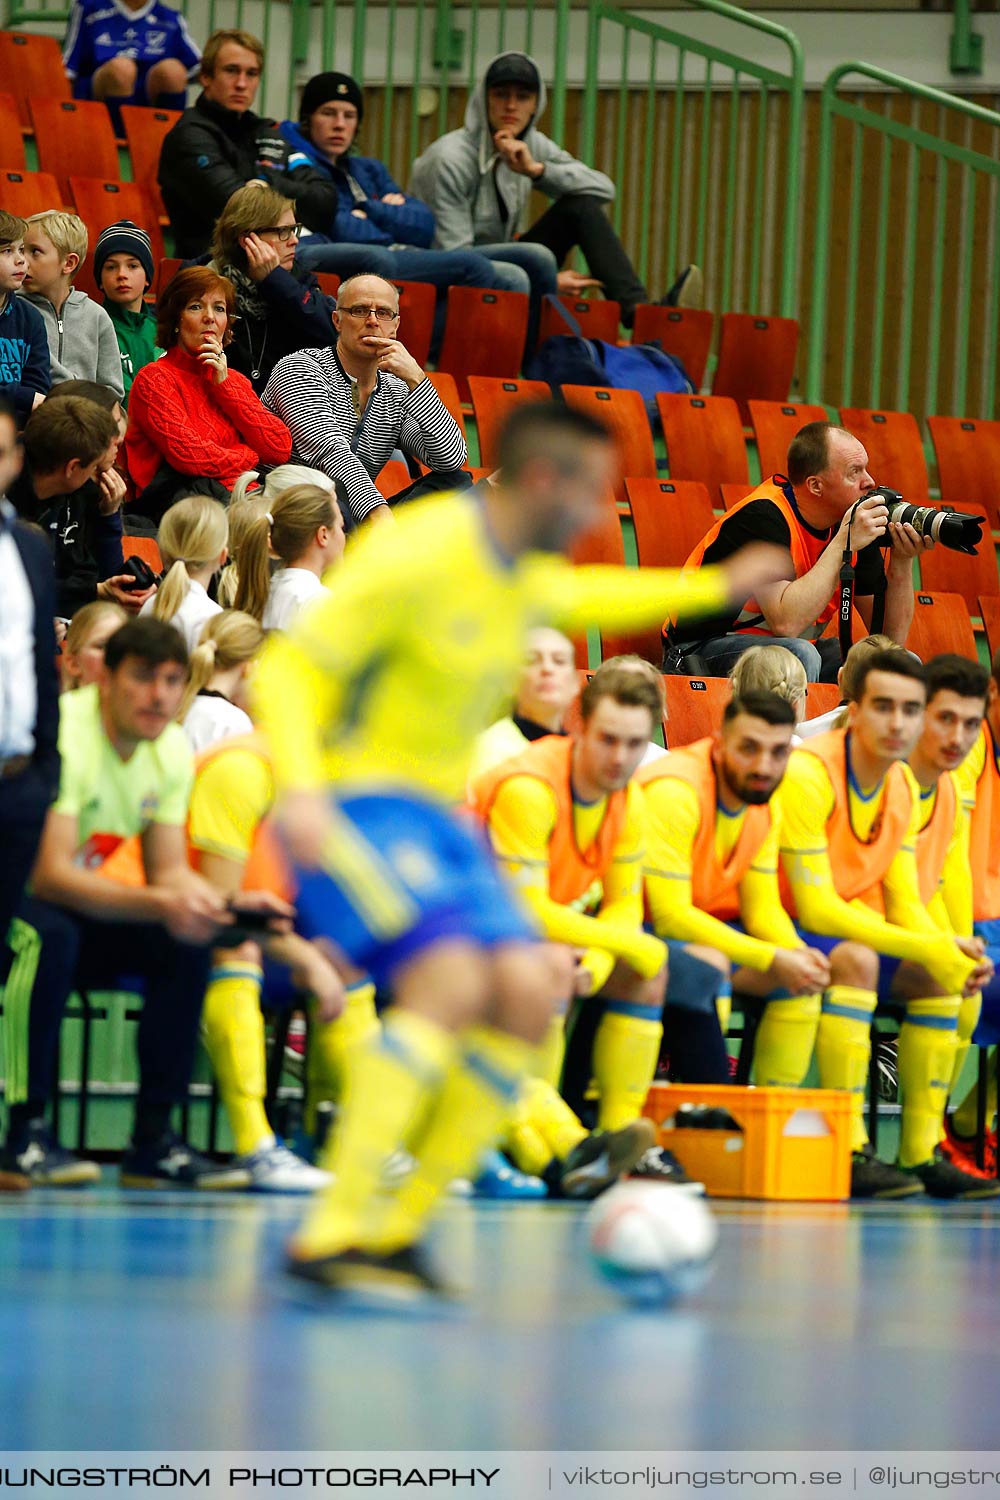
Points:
point(598, 319)
point(492, 401)
point(732, 494)
point(968, 460)
point(329, 282)
point(694, 707)
point(989, 613)
point(25, 193)
point(144, 131)
point(941, 623)
point(895, 450)
point(417, 300)
point(31, 65)
point(484, 334)
point(821, 698)
point(704, 436)
point(774, 425)
point(11, 144)
point(75, 139)
point(670, 517)
point(623, 412)
point(447, 389)
point(145, 547)
point(685, 332)
point(393, 477)
point(166, 270)
point(603, 544)
point(756, 358)
point(972, 577)
point(100, 203)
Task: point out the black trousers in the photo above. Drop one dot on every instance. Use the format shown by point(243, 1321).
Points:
point(580, 220)
point(73, 952)
point(23, 804)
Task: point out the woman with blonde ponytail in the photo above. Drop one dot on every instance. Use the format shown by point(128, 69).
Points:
point(192, 537)
point(304, 529)
point(214, 704)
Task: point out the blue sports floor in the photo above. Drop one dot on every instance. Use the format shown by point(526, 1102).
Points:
point(127, 1321)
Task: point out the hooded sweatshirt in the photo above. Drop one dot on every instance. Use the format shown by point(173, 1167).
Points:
point(82, 342)
point(460, 175)
point(24, 356)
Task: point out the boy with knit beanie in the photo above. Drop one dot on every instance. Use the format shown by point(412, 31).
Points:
point(123, 269)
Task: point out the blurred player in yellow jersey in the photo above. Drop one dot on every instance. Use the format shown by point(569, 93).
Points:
point(850, 821)
point(378, 694)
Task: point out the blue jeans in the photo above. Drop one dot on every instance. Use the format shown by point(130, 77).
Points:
point(821, 659)
point(442, 268)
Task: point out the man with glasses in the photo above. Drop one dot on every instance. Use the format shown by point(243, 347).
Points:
point(350, 407)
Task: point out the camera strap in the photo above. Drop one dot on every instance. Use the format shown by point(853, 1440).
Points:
point(847, 588)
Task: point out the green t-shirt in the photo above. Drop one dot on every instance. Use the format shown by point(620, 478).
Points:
point(111, 798)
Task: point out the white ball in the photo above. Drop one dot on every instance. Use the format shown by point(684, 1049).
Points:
point(653, 1242)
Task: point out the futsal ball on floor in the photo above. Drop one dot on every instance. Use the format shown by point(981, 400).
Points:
point(652, 1242)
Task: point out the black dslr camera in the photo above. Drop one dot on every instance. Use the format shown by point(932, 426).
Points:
point(951, 528)
point(141, 574)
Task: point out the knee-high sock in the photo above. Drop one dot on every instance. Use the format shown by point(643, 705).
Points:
point(724, 1004)
point(968, 1016)
point(926, 1063)
point(786, 1036)
point(232, 1029)
point(551, 1051)
point(391, 1085)
point(843, 1047)
point(626, 1050)
point(470, 1112)
point(964, 1118)
point(333, 1043)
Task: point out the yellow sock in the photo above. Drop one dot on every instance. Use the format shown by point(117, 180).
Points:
point(549, 1064)
point(724, 1005)
point(843, 1047)
point(333, 1043)
point(391, 1084)
point(523, 1141)
point(783, 1046)
point(968, 1016)
point(626, 1049)
point(964, 1118)
point(232, 1029)
point(926, 1061)
point(470, 1112)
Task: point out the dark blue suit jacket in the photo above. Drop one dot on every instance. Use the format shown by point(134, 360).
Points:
point(38, 566)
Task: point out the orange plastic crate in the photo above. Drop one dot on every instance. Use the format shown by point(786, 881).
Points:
point(791, 1144)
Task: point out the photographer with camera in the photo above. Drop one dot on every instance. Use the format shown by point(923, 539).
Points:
point(819, 511)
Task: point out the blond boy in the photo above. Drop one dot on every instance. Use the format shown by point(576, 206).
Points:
point(82, 342)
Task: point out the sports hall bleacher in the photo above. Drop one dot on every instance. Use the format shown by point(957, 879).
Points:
point(847, 238)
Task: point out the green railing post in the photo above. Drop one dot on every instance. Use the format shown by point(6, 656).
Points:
point(966, 46)
point(559, 72)
point(359, 31)
point(300, 30)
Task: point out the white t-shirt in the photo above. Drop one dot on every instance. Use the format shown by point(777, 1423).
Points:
point(191, 618)
point(291, 588)
point(212, 718)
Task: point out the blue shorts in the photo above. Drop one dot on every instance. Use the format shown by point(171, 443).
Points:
point(887, 967)
point(403, 875)
point(987, 1030)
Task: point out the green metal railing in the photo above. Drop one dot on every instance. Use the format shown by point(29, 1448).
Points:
point(701, 104)
point(906, 264)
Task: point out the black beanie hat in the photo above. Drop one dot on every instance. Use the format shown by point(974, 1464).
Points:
point(124, 238)
point(327, 86)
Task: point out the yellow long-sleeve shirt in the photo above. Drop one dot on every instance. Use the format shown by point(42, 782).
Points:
point(387, 682)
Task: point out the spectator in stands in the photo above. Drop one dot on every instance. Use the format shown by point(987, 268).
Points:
point(25, 367)
point(249, 500)
point(214, 705)
point(304, 530)
point(29, 758)
point(192, 541)
point(349, 408)
point(123, 269)
point(136, 52)
point(195, 425)
point(771, 669)
point(82, 342)
point(90, 629)
point(279, 306)
point(371, 210)
point(548, 685)
point(126, 769)
point(219, 145)
point(815, 514)
point(477, 182)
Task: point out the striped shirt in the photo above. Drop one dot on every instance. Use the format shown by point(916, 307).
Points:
point(315, 398)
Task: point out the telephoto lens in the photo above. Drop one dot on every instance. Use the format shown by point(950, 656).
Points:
point(949, 528)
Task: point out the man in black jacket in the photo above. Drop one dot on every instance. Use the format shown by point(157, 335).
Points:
point(219, 144)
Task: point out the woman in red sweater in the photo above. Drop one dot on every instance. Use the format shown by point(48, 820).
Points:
point(194, 424)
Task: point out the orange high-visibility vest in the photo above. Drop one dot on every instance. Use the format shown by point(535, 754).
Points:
point(714, 886)
point(572, 871)
point(984, 836)
point(934, 838)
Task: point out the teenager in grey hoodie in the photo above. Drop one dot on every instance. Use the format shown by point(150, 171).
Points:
point(477, 182)
point(82, 340)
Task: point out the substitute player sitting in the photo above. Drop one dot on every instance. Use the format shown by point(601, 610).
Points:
point(851, 816)
point(566, 824)
point(712, 890)
point(380, 693)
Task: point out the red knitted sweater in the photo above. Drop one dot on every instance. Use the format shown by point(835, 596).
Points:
point(178, 415)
